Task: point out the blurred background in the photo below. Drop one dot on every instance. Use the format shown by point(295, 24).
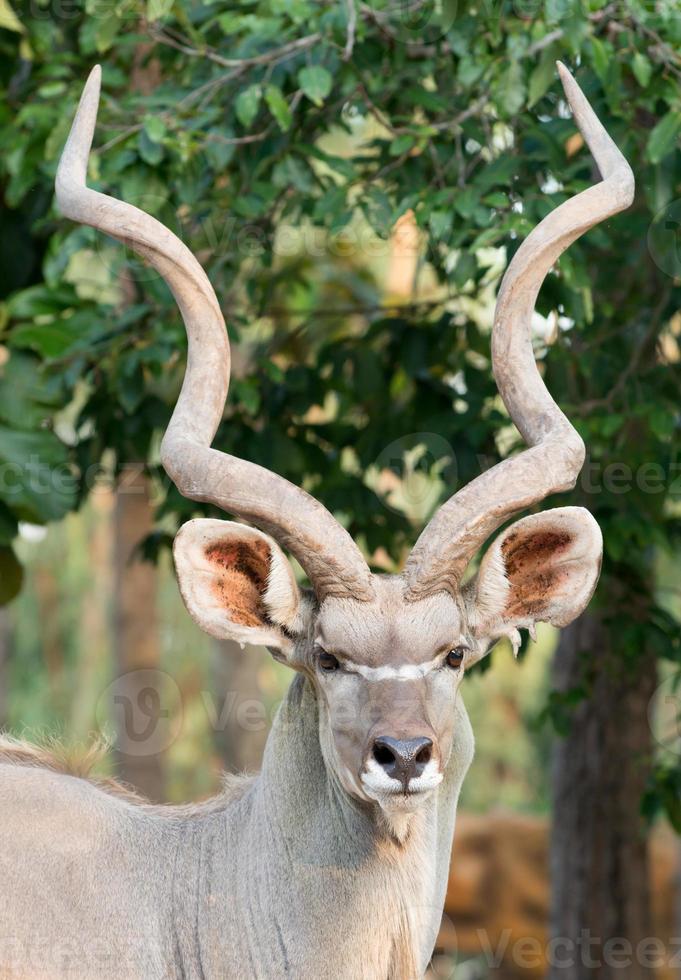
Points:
point(354, 178)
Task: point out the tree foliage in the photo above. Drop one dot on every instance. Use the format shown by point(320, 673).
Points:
point(283, 139)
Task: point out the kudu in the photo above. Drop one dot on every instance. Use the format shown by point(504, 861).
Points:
point(333, 862)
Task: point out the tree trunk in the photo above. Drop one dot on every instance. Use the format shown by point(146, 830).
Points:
point(47, 594)
point(95, 638)
point(136, 695)
point(240, 720)
point(5, 647)
point(599, 856)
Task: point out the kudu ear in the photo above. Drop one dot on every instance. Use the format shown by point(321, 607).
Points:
point(237, 584)
point(543, 568)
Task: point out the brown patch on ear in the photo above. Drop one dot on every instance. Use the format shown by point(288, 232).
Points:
point(528, 563)
point(241, 579)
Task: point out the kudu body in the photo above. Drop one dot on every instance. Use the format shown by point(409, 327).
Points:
point(333, 862)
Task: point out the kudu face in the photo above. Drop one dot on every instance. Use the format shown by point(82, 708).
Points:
point(387, 674)
point(387, 654)
point(387, 669)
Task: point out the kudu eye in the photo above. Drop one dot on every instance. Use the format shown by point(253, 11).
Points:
point(328, 662)
point(455, 657)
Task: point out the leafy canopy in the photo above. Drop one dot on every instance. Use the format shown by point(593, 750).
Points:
point(283, 139)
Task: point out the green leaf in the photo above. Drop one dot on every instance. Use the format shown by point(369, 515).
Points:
point(498, 172)
point(497, 199)
point(316, 82)
point(106, 31)
point(247, 105)
point(158, 8)
point(230, 23)
point(37, 481)
point(511, 92)
point(541, 80)
point(39, 301)
point(642, 69)
point(28, 395)
point(338, 164)
point(401, 144)
point(8, 524)
point(151, 153)
point(470, 70)
point(611, 424)
point(467, 201)
point(51, 90)
point(441, 223)
point(663, 137)
point(48, 339)
point(662, 422)
point(247, 393)
point(218, 151)
point(11, 575)
point(465, 269)
point(155, 128)
point(292, 172)
point(278, 106)
point(556, 10)
point(600, 58)
point(299, 11)
point(8, 19)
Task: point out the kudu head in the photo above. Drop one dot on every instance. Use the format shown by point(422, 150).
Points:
point(386, 654)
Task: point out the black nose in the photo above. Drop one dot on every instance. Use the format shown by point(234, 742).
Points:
point(403, 759)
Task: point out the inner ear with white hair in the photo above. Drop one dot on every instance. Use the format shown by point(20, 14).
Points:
point(543, 568)
point(237, 584)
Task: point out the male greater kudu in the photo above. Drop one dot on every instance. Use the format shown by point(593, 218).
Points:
point(333, 862)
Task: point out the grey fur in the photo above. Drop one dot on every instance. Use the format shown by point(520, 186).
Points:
point(284, 876)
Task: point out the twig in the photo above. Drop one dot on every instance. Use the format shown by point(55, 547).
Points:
point(411, 307)
point(273, 58)
point(439, 177)
point(456, 121)
point(215, 137)
point(119, 138)
point(352, 27)
point(446, 124)
point(413, 49)
point(556, 35)
point(544, 42)
point(667, 54)
point(240, 140)
point(213, 83)
point(292, 47)
point(648, 340)
point(460, 161)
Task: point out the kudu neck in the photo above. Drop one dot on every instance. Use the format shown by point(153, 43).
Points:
point(297, 790)
point(296, 845)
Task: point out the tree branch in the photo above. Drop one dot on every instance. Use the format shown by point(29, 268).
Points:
point(292, 47)
point(352, 27)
